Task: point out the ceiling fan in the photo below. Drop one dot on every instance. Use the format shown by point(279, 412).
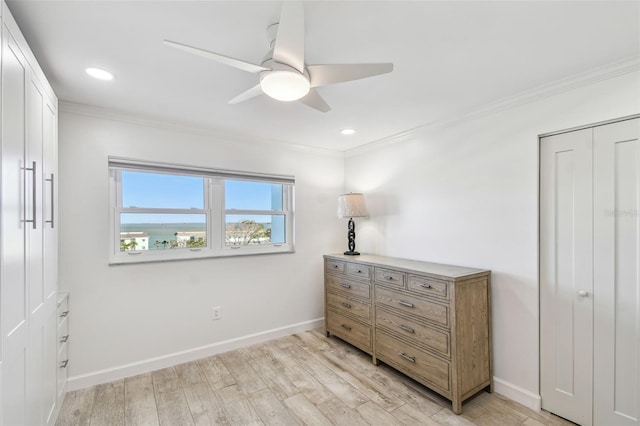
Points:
point(283, 73)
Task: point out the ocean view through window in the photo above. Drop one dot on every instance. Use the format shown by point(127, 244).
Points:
point(169, 212)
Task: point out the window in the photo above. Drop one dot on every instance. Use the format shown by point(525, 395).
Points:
point(164, 212)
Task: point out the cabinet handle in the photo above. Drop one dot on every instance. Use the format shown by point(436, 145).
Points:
point(335, 266)
point(359, 271)
point(345, 286)
point(64, 314)
point(346, 327)
point(407, 329)
point(388, 277)
point(34, 198)
point(407, 357)
point(425, 285)
point(64, 339)
point(52, 186)
point(346, 305)
point(407, 304)
point(64, 363)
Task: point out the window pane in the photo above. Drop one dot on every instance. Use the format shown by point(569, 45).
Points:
point(142, 231)
point(245, 195)
point(157, 190)
point(254, 229)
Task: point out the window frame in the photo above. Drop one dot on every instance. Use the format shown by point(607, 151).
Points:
point(214, 210)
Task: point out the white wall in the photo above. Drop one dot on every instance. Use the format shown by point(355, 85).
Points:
point(126, 319)
point(467, 194)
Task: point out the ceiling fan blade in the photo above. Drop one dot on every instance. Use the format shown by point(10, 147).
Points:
point(323, 75)
point(315, 101)
point(246, 95)
point(236, 63)
point(289, 46)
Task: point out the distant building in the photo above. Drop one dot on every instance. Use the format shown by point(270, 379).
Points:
point(134, 241)
point(185, 237)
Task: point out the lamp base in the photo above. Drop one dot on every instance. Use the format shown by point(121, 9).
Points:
point(352, 253)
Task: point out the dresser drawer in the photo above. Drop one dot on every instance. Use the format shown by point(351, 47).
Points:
point(356, 270)
point(431, 311)
point(420, 334)
point(349, 287)
point(428, 286)
point(413, 361)
point(350, 330)
point(334, 267)
point(63, 361)
point(62, 308)
point(63, 336)
point(389, 276)
point(347, 305)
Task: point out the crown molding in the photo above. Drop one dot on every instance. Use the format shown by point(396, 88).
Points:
point(594, 75)
point(141, 120)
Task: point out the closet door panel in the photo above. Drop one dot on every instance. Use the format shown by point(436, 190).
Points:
point(34, 199)
point(14, 291)
point(49, 202)
point(565, 275)
point(617, 273)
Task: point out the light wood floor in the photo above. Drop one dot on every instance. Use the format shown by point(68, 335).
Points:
point(301, 379)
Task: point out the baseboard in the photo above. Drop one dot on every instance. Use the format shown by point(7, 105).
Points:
point(517, 394)
point(152, 364)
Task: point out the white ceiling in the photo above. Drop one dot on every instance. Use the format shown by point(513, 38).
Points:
point(450, 57)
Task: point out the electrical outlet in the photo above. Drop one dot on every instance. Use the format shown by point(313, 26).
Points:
point(216, 313)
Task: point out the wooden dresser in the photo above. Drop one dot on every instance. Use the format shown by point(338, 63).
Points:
point(430, 321)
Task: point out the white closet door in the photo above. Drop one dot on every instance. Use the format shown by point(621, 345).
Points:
point(14, 291)
point(566, 275)
point(617, 274)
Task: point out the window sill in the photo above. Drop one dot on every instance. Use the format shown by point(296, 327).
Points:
point(149, 257)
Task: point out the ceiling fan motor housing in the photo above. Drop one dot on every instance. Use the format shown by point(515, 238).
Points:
point(283, 82)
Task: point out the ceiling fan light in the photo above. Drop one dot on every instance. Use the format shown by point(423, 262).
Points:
point(99, 73)
point(285, 85)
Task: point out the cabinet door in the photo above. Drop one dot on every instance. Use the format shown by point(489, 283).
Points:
point(49, 198)
point(616, 398)
point(50, 270)
point(14, 290)
point(566, 334)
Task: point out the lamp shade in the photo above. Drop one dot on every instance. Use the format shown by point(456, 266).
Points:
point(352, 205)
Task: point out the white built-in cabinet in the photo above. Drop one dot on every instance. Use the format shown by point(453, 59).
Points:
point(28, 245)
point(590, 274)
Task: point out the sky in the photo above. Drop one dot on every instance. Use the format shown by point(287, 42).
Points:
point(155, 190)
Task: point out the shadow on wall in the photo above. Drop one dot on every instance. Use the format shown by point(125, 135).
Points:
point(373, 230)
point(511, 307)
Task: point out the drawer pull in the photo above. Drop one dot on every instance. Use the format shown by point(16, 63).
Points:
point(64, 314)
point(359, 271)
point(425, 285)
point(407, 304)
point(407, 329)
point(346, 305)
point(346, 327)
point(64, 363)
point(64, 339)
point(345, 285)
point(407, 357)
point(388, 277)
point(335, 266)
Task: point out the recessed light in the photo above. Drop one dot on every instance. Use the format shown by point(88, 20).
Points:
point(348, 132)
point(100, 74)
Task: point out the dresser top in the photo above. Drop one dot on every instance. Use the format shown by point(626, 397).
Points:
point(429, 268)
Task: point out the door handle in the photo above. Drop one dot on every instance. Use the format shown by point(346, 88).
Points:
point(34, 197)
point(52, 210)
